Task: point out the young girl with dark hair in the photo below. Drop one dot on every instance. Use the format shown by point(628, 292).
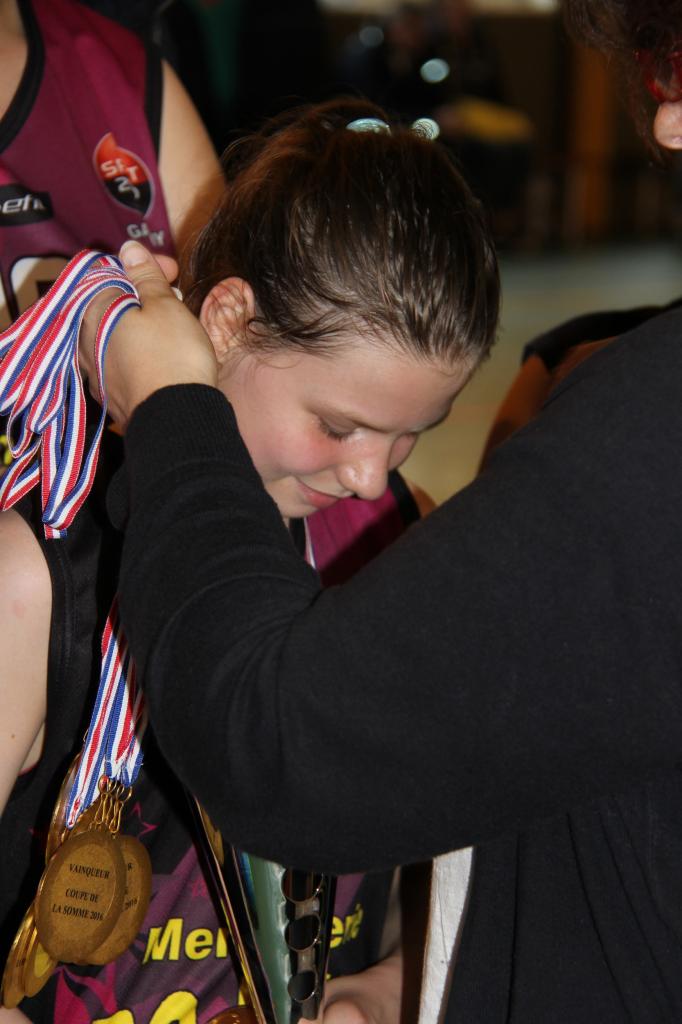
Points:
point(349, 290)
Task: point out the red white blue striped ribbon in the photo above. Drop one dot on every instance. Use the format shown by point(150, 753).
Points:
point(41, 392)
point(113, 742)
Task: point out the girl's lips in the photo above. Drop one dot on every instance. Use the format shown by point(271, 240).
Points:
point(318, 499)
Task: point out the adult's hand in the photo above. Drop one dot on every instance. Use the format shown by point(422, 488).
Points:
point(153, 347)
point(371, 997)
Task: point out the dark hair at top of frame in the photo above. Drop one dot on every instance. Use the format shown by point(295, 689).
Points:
point(621, 28)
point(339, 230)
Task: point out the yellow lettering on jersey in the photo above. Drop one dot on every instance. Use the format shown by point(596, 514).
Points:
point(221, 944)
point(337, 933)
point(353, 922)
point(344, 931)
point(198, 944)
point(177, 1008)
point(160, 939)
point(121, 1017)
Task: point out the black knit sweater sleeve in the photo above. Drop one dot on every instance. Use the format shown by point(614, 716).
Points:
point(516, 653)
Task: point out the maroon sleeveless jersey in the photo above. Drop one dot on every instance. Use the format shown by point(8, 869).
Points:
point(78, 160)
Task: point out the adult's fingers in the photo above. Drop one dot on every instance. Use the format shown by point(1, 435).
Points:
point(150, 274)
point(160, 345)
point(345, 1011)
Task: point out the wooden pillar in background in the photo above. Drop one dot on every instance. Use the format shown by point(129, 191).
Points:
point(590, 147)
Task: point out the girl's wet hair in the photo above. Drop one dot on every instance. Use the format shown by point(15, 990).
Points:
point(338, 230)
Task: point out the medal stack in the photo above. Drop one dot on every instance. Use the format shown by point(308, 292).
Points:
point(91, 899)
point(96, 885)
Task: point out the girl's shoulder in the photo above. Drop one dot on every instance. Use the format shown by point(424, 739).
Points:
point(24, 574)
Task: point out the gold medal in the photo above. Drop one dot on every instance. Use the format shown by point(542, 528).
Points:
point(38, 968)
point(58, 831)
point(137, 893)
point(80, 895)
point(86, 819)
point(58, 820)
point(13, 976)
point(236, 1015)
point(213, 835)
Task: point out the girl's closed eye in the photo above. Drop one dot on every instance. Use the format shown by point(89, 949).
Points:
point(329, 431)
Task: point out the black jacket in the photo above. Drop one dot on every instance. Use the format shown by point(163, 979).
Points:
point(508, 674)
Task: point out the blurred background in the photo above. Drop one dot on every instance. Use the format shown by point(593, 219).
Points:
point(586, 218)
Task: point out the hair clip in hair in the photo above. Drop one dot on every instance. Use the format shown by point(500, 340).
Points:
point(426, 127)
point(368, 124)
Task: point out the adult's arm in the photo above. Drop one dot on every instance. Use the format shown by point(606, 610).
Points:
point(517, 652)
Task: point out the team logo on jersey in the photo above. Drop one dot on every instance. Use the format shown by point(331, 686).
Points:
point(19, 205)
point(124, 175)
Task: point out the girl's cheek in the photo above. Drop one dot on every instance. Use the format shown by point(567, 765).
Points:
point(318, 451)
point(309, 455)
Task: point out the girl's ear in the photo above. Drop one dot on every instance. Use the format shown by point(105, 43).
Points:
point(226, 313)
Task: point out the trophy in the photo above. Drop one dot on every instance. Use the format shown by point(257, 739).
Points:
point(279, 920)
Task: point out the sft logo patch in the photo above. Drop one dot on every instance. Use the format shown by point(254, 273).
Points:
point(124, 175)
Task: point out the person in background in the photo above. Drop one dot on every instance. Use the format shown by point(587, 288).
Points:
point(98, 143)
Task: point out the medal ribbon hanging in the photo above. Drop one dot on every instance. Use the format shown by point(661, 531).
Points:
point(41, 393)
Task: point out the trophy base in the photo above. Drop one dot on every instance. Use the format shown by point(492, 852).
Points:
point(236, 1015)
